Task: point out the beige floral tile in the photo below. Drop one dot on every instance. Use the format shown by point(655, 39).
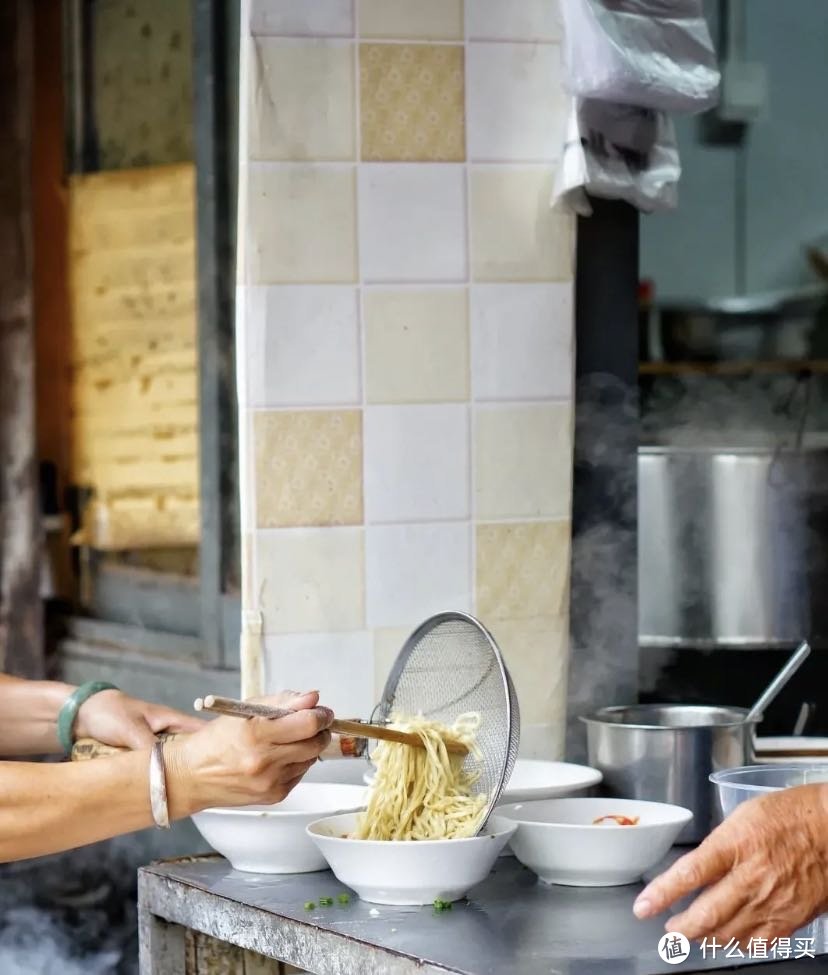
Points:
point(439, 20)
point(522, 570)
point(303, 102)
point(301, 224)
point(536, 652)
point(311, 580)
point(308, 468)
point(416, 346)
point(412, 102)
point(523, 461)
point(515, 234)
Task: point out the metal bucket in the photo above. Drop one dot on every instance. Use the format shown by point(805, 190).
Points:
point(665, 753)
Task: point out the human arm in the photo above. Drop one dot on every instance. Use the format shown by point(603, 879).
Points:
point(29, 714)
point(46, 808)
point(764, 870)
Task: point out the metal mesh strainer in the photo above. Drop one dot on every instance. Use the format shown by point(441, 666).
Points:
point(448, 666)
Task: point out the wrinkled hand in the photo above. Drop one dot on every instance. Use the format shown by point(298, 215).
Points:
point(117, 719)
point(765, 870)
point(230, 762)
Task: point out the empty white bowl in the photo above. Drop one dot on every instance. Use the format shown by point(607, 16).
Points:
point(272, 839)
point(557, 840)
point(532, 779)
point(409, 872)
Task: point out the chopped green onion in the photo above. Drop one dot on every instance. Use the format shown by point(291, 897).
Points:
point(441, 905)
point(325, 901)
point(344, 899)
point(309, 905)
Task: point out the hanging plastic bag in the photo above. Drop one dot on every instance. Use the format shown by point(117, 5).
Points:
point(618, 152)
point(651, 53)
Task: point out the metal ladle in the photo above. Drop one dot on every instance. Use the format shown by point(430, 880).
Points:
point(770, 692)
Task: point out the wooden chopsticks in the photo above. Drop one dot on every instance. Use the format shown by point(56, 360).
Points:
point(356, 729)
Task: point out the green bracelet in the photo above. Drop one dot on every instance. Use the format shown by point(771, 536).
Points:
point(68, 714)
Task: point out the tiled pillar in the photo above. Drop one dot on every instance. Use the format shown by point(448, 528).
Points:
point(405, 332)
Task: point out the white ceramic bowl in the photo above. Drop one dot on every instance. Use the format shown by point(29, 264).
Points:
point(272, 839)
point(533, 779)
point(557, 840)
point(348, 771)
point(405, 872)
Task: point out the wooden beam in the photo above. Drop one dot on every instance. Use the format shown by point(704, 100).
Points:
point(50, 222)
point(21, 625)
point(734, 368)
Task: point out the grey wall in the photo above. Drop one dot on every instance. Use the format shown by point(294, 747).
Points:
point(746, 213)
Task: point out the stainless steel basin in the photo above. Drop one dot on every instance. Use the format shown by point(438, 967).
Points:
point(665, 753)
point(733, 546)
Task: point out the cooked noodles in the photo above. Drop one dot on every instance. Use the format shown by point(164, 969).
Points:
point(424, 793)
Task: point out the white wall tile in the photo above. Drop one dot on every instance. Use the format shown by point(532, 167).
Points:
point(307, 18)
point(387, 647)
point(516, 102)
point(339, 665)
point(522, 344)
point(543, 741)
point(303, 346)
point(415, 571)
point(311, 580)
point(412, 222)
point(416, 463)
point(513, 20)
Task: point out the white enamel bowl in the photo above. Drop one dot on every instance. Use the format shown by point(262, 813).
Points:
point(533, 779)
point(556, 839)
point(405, 872)
point(272, 839)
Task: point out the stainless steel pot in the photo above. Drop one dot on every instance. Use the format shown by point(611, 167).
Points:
point(665, 753)
point(732, 546)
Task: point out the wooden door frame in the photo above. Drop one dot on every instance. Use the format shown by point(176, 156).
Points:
point(21, 623)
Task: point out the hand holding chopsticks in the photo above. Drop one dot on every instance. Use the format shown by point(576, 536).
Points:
point(355, 729)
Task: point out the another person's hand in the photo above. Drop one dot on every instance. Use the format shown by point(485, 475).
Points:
point(230, 762)
point(114, 718)
point(765, 870)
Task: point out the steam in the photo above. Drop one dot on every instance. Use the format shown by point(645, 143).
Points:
point(693, 411)
point(73, 913)
point(32, 943)
point(603, 666)
point(712, 411)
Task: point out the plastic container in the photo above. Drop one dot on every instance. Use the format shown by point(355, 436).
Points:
point(737, 785)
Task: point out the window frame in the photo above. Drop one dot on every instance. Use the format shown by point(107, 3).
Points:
point(195, 619)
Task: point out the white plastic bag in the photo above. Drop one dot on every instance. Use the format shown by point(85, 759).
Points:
point(652, 53)
point(618, 152)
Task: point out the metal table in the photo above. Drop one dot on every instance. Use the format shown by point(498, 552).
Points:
point(510, 924)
